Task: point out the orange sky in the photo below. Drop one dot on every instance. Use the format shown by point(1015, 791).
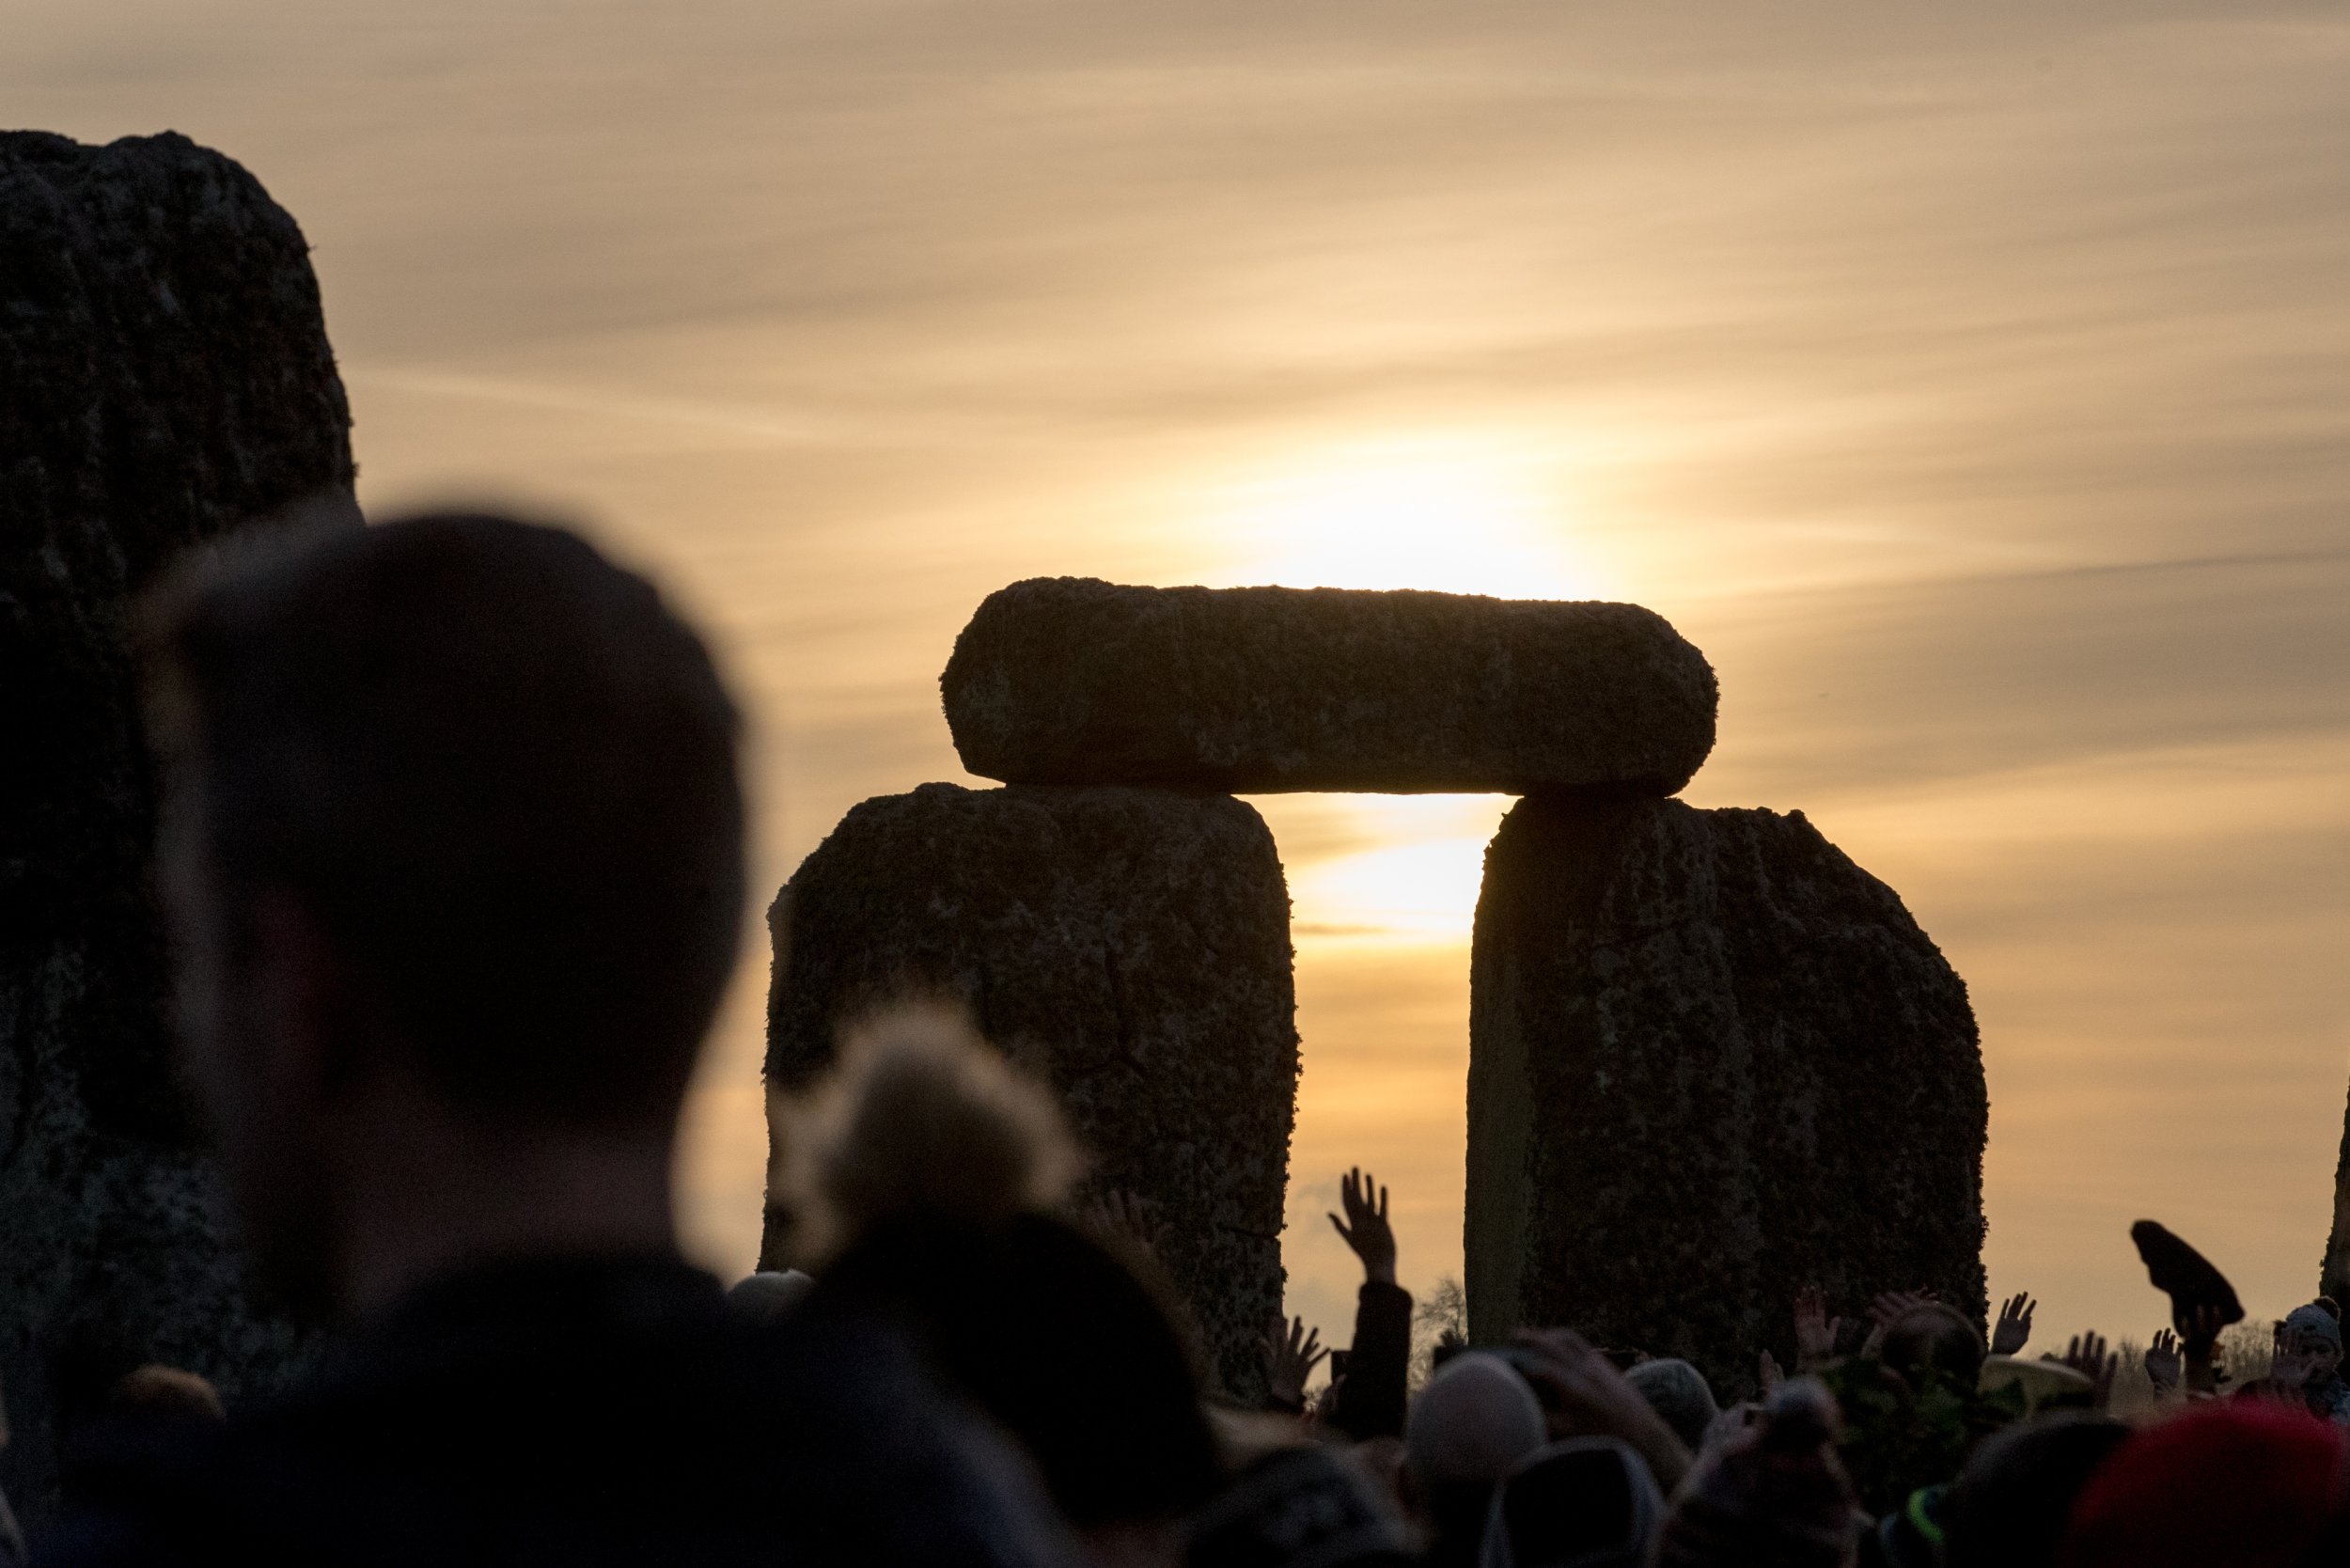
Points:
point(1972, 389)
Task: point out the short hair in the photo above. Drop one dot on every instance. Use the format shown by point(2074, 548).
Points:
point(502, 773)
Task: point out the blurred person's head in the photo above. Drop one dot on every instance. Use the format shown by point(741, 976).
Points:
point(1469, 1427)
point(157, 1393)
point(453, 863)
point(2314, 1334)
point(927, 1172)
point(1305, 1503)
point(1772, 1492)
point(2007, 1508)
point(1679, 1392)
point(1932, 1337)
point(1587, 1503)
point(2252, 1486)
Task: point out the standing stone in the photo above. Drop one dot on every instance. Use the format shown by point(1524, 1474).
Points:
point(1129, 947)
point(1070, 680)
point(2333, 1277)
point(164, 377)
point(1711, 1062)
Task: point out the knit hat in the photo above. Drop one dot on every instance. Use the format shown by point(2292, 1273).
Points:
point(1588, 1503)
point(1306, 1507)
point(1775, 1494)
point(2314, 1318)
point(1475, 1419)
point(2247, 1485)
point(1679, 1392)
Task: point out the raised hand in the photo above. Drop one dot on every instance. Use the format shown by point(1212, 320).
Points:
point(2087, 1355)
point(1767, 1369)
point(1365, 1228)
point(1291, 1352)
point(2012, 1332)
point(1120, 1213)
point(1816, 1331)
point(2288, 1369)
point(2163, 1363)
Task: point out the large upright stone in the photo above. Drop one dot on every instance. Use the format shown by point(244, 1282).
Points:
point(164, 377)
point(1070, 680)
point(1711, 1062)
point(2333, 1275)
point(1131, 947)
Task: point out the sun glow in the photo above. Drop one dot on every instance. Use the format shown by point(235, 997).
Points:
point(1408, 872)
point(1455, 514)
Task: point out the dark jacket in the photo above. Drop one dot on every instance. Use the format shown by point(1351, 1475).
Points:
point(579, 1413)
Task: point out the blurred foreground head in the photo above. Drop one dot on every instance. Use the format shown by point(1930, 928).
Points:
point(1775, 1494)
point(453, 851)
point(931, 1176)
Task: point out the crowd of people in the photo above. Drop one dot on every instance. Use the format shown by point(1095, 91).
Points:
point(452, 863)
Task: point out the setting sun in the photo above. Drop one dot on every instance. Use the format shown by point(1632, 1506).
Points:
point(1457, 514)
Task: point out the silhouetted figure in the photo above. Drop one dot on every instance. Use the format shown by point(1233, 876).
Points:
point(453, 859)
point(1369, 1401)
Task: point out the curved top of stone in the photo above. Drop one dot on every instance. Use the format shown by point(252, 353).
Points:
point(1259, 690)
point(164, 372)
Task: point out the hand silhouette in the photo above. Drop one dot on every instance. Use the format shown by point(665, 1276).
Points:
point(1365, 1228)
point(1291, 1352)
point(2012, 1332)
point(2163, 1363)
point(1816, 1331)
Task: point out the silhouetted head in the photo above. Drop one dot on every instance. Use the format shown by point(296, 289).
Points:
point(926, 1171)
point(2008, 1507)
point(451, 804)
point(1587, 1503)
point(1471, 1425)
point(1935, 1337)
point(1772, 1492)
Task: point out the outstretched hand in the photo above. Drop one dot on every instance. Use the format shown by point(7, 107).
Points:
point(1290, 1351)
point(2288, 1368)
point(2163, 1363)
point(1365, 1228)
point(2012, 1332)
point(2087, 1355)
point(1119, 1213)
point(1816, 1331)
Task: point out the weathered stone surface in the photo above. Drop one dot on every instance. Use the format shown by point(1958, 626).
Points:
point(1131, 947)
point(2333, 1275)
point(164, 377)
point(1711, 1062)
point(1070, 680)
